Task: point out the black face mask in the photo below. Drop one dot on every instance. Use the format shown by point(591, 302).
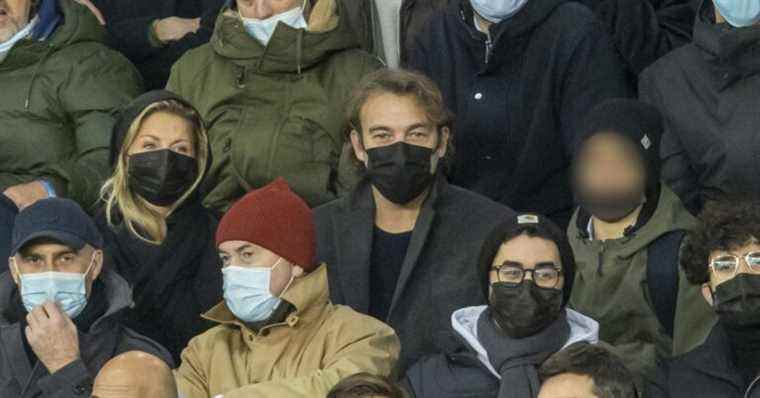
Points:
point(161, 177)
point(610, 207)
point(401, 172)
point(525, 309)
point(737, 302)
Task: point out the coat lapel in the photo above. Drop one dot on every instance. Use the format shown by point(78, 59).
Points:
point(419, 236)
point(353, 230)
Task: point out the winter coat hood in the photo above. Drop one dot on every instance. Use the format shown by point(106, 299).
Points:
point(289, 50)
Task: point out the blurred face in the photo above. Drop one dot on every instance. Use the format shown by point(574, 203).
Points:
point(609, 166)
point(14, 15)
point(53, 257)
point(263, 9)
point(250, 255)
point(163, 130)
point(387, 119)
point(528, 253)
point(568, 385)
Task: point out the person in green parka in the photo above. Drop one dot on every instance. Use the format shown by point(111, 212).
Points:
point(272, 84)
point(59, 85)
point(626, 236)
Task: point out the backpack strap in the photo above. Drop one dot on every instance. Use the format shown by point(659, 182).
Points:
point(662, 276)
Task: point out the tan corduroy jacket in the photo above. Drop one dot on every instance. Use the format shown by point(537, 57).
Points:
point(316, 346)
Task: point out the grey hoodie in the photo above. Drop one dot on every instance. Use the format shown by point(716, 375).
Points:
point(105, 339)
point(470, 373)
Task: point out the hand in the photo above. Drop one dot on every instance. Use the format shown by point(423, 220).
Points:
point(24, 195)
point(175, 28)
point(95, 11)
point(52, 336)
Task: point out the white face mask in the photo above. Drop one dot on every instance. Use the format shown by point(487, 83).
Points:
point(263, 29)
point(739, 13)
point(495, 11)
point(247, 292)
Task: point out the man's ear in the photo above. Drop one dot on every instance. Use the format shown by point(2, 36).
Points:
point(97, 264)
point(356, 143)
point(443, 142)
point(14, 269)
point(707, 293)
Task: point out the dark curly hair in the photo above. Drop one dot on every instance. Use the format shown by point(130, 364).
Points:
point(726, 224)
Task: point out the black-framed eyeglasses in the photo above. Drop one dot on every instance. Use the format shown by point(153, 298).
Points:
point(727, 266)
point(545, 275)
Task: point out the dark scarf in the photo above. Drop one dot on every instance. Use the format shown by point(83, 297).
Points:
point(516, 360)
point(151, 270)
point(97, 305)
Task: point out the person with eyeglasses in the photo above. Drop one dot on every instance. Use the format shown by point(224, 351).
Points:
point(723, 257)
point(626, 235)
point(527, 271)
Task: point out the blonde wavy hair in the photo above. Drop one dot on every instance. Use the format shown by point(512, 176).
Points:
point(138, 215)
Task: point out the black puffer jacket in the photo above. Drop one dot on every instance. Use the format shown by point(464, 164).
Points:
point(708, 94)
point(520, 97)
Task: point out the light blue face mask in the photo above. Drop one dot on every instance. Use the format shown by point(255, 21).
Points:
point(263, 29)
point(739, 13)
point(495, 11)
point(67, 289)
point(247, 294)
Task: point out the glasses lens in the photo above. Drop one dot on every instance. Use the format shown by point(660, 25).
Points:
point(510, 274)
point(546, 277)
point(725, 266)
point(753, 260)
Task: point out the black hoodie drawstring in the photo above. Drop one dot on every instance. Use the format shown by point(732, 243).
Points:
point(299, 49)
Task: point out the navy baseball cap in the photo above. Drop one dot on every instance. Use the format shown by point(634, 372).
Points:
point(55, 218)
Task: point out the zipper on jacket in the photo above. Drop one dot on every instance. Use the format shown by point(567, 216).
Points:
point(751, 387)
point(489, 47)
point(600, 259)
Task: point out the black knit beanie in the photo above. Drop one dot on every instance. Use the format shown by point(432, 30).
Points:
point(536, 226)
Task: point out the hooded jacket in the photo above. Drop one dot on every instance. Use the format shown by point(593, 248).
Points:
point(58, 95)
point(610, 286)
point(707, 92)
point(274, 110)
point(316, 346)
point(105, 339)
point(519, 96)
point(469, 373)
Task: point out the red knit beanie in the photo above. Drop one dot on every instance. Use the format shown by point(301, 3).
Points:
point(275, 218)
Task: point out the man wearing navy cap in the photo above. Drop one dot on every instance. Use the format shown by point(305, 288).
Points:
point(58, 305)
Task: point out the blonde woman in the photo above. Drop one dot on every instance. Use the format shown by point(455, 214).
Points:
point(157, 234)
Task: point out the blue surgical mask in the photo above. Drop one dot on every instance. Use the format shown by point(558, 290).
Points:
point(67, 289)
point(6, 46)
point(739, 13)
point(263, 29)
point(247, 294)
point(495, 11)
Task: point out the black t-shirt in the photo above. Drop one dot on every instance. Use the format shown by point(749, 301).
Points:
point(386, 259)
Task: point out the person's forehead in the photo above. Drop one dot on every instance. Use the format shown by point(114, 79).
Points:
point(392, 109)
point(47, 247)
point(568, 385)
point(738, 250)
point(524, 247)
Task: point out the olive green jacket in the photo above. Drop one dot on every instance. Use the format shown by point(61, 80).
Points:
point(56, 103)
point(611, 287)
point(274, 110)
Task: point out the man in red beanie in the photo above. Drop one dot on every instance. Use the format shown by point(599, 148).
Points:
point(278, 335)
